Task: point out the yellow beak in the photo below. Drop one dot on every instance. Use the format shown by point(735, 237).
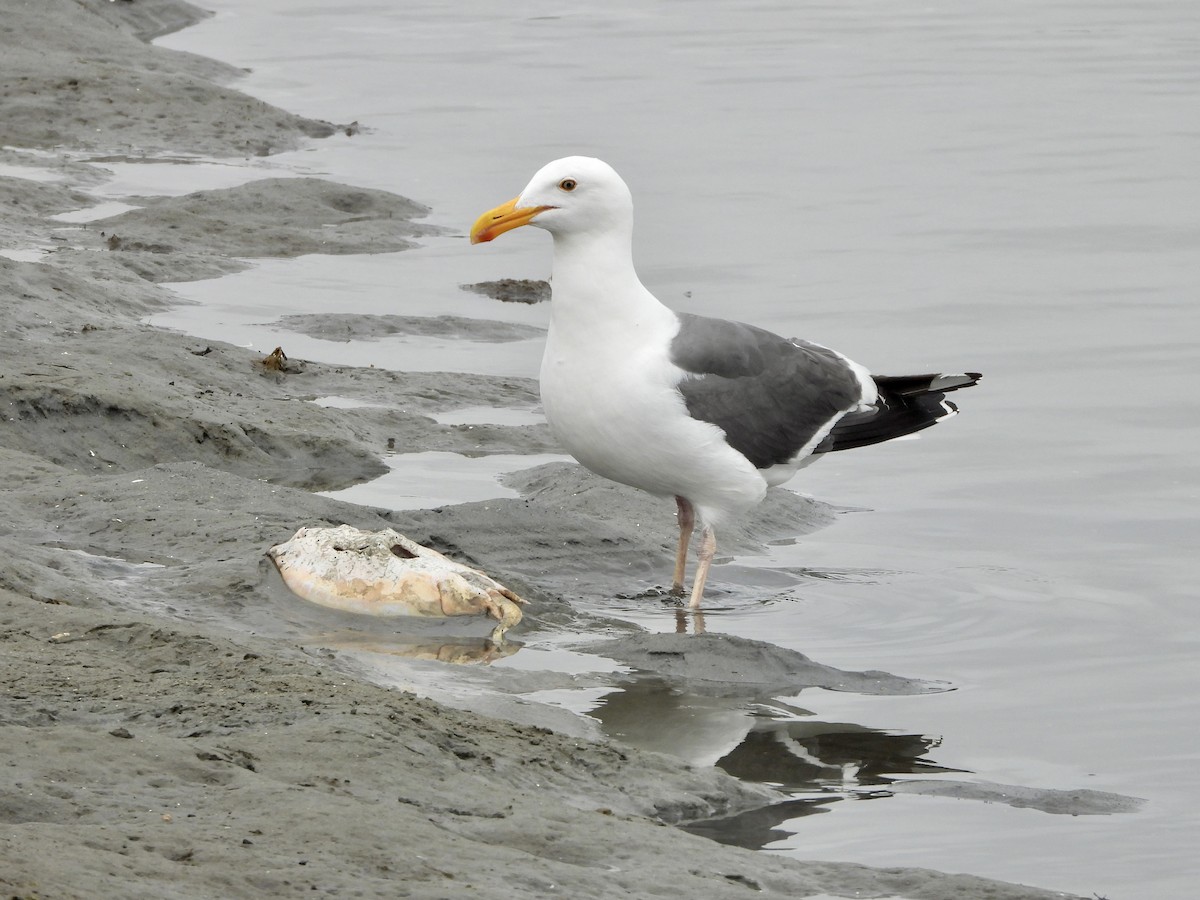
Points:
point(495, 222)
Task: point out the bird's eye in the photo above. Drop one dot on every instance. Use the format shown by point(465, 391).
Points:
point(567, 184)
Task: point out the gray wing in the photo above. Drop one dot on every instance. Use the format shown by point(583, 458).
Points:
point(770, 396)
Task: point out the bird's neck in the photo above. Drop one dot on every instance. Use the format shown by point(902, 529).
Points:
point(595, 283)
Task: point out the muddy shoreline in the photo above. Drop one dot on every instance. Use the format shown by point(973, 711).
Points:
point(153, 748)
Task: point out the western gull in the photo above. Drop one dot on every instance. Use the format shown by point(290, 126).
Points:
point(705, 410)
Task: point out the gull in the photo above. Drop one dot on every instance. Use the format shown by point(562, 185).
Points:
point(708, 411)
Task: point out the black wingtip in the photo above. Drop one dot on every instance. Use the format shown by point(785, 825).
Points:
point(913, 385)
point(954, 382)
point(907, 404)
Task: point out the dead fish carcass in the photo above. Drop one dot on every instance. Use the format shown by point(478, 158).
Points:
point(383, 573)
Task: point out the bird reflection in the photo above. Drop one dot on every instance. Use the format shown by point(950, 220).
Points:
point(809, 756)
point(834, 761)
point(765, 742)
point(768, 743)
point(651, 713)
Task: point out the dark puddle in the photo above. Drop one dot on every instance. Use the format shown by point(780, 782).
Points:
point(346, 327)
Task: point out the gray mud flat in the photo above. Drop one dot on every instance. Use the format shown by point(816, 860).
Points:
point(164, 733)
point(79, 75)
point(512, 290)
point(272, 217)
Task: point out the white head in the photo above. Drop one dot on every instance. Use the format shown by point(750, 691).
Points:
point(570, 196)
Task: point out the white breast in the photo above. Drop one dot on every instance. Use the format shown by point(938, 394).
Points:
point(608, 391)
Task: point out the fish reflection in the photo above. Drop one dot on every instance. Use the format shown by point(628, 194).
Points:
point(465, 651)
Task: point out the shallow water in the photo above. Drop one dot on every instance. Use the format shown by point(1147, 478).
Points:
point(439, 478)
point(996, 186)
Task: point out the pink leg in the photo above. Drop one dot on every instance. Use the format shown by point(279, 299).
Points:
point(708, 547)
point(687, 521)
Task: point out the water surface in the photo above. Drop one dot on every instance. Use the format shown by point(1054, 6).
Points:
point(1009, 187)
